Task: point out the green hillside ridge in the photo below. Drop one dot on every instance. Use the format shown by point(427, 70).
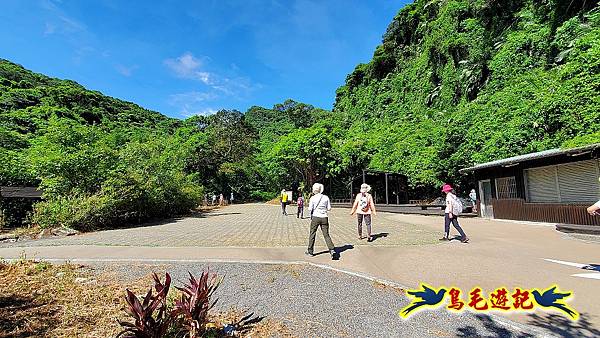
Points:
point(28, 99)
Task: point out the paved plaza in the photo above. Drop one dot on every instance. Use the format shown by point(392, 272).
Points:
point(253, 226)
point(406, 253)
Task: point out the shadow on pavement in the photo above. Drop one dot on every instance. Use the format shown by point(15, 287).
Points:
point(563, 326)
point(492, 329)
point(338, 249)
point(379, 235)
point(554, 323)
point(216, 213)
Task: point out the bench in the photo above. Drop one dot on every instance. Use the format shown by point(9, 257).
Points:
point(578, 228)
point(425, 206)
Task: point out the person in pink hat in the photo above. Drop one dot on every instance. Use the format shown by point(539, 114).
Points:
point(453, 209)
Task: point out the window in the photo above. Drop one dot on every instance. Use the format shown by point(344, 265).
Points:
point(506, 187)
point(541, 184)
point(575, 182)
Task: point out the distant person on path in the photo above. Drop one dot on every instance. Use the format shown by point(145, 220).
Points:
point(318, 206)
point(214, 199)
point(473, 197)
point(231, 198)
point(300, 201)
point(221, 200)
point(284, 201)
point(453, 209)
point(364, 207)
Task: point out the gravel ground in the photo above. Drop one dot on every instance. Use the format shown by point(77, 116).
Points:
point(584, 237)
point(314, 302)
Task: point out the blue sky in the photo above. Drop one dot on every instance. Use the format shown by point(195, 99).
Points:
point(195, 57)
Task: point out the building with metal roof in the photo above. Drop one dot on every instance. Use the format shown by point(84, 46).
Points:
point(555, 185)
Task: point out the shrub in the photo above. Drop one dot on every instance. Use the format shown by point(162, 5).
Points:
point(194, 304)
point(153, 317)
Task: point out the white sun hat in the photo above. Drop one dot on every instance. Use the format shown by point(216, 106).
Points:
point(365, 187)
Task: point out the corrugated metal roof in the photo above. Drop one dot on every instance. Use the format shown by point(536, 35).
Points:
point(529, 157)
point(23, 192)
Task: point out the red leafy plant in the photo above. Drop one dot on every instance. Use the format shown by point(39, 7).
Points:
point(151, 318)
point(194, 304)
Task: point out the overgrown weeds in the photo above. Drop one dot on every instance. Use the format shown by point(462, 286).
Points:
point(45, 300)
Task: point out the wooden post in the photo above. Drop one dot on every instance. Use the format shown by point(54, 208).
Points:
point(387, 200)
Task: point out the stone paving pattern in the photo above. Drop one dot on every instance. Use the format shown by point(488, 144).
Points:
point(250, 225)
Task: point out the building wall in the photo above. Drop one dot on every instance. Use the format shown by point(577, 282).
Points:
point(520, 209)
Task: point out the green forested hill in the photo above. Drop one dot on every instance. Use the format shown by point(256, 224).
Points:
point(27, 99)
point(456, 82)
point(100, 161)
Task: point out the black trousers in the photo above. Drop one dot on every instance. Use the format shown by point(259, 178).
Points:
point(315, 223)
point(454, 221)
point(283, 205)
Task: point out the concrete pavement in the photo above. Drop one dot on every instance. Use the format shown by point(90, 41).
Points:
point(500, 254)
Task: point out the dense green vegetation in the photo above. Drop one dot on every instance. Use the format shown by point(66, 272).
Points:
point(465, 81)
point(104, 162)
point(453, 83)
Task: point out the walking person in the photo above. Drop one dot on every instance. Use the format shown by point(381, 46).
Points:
point(231, 198)
point(364, 207)
point(300, 202)
point(214, 199)
point(284, 201)
point(453, 209)
point(221, 200)
point(473, 197)
point(318, 207)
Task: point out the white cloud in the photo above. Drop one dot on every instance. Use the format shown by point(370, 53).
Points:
point(193, 103)
point(215, 87)
point(206, 111)
point(201, 111)
point(126, 70)
point(191, 98)
point(50, 29)
point(188, 67)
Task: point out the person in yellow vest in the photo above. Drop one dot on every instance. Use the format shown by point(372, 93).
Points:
point(284, 201)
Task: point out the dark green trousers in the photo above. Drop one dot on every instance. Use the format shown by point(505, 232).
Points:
point(315, 223)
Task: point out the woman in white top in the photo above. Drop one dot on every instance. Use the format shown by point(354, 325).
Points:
point(318, 207)
point(364, 207)
point(453, 208)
